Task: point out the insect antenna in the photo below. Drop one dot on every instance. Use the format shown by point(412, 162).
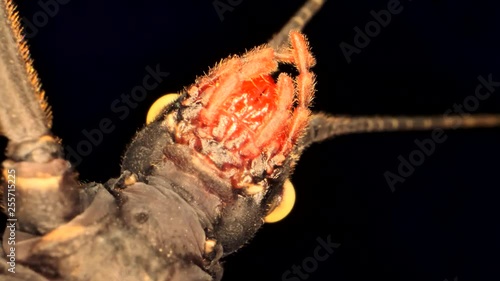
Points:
point(297, 22)
point(323, 126)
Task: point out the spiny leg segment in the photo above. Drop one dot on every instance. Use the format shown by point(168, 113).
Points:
point(20, 87)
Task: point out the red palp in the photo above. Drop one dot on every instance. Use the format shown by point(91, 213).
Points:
point(239, 109)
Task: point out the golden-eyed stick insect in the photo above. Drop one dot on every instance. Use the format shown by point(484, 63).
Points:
point(197, 182)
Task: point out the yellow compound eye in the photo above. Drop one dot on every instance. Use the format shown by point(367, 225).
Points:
point(285, 206)
point(159, 105)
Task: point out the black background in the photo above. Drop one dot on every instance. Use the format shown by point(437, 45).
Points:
point(441, 223)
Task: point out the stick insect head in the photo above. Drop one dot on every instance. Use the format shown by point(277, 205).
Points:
point(238, 129)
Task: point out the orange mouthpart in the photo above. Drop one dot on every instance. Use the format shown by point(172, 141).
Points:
point(244, 122)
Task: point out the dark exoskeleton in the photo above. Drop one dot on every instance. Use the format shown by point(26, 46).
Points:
point(169, 216)
point(179, 205)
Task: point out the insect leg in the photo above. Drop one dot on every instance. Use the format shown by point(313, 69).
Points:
point(41, 192)
point(26, 114)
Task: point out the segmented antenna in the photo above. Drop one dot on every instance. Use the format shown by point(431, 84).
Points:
point(20, 88)
point(323, 126)
point(297, 22)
